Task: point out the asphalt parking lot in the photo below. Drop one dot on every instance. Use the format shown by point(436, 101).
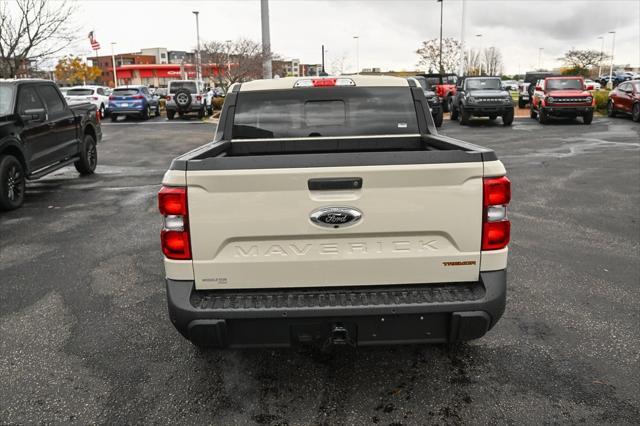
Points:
point(85, 335)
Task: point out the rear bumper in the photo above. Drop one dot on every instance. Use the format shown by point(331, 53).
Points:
point(171, 106)
point(399, 314)
point(127, 111)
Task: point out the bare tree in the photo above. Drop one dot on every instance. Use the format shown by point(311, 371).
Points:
point(429, 54)
point(582, 59)
point(492, 61)
point(31, 31)
point(472, 62)
point(239, 60)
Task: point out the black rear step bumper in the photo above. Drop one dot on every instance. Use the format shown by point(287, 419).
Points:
point(374, 315)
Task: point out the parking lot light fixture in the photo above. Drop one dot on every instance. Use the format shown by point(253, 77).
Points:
point(480, 52)
point(613, 47)
point(601, 53)
point(113, 62)
point(357, 39)
point(198, 61)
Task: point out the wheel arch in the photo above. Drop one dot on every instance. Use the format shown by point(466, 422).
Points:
point(13, 149)
point(89, 130)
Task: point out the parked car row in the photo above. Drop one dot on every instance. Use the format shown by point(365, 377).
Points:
point(625, 99)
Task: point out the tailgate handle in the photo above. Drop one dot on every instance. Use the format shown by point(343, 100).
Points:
point(328, 184)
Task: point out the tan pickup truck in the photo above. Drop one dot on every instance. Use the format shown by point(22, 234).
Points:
point(329, 211)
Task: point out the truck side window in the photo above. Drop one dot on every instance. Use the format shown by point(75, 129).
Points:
point(28, 100)
point(51, 99)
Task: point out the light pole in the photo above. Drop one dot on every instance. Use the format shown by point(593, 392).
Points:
point(540, 49)
point(464, 15)
point(267, 70)
point(228, 42)
point(613, 47)
point(441, 5)
point(601, 53)
point(113, 61)
point(357, 38)
point(323, 72)
point(480, 52)
point(198, 59)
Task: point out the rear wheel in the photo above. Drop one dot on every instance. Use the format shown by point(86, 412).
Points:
point(437, 119)
point(635, 112)
point(158, 110)
point(147, 113)
point(12, 183)
point(201, 113)
point(507, 118)
point(464, 115)
point(587, 118)
point(170, 114)
point(114, 117)
point(88, 160)
point(446, 104)
point(454, 111)
point(611, 111)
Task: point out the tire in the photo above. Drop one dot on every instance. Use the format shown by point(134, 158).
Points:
point(210, 110)
point(587, 118)
point(493, 117)
point(201, 113)
point(102, 111)
point(611, 110)
point(147, 113)
point(453, 109)
point(542, 117)
point(182, 98)
point(521, 103)
point(437, 119)
point(464, 116)
point(114, 118)
point(12, 183)
point(170, 114)
point(157, 114)
point(507, 119)
point(532, 112)
point(88, 160)
point(445, 104)
point(635, 112)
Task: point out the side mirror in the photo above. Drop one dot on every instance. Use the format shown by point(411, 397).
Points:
point(590, 87)
point(35, 114)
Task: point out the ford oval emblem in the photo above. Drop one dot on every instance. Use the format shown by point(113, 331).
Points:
point(336, 217)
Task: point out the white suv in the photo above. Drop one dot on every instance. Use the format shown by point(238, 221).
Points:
point(186, 96)
point(97, 95)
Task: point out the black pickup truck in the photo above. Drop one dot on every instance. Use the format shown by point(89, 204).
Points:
point(41, 133)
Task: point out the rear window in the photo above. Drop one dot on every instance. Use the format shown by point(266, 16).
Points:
point(6, 99)
point(563, 84)
point(189, 85)
point(124, 92)
point(325, 111)
point(79, 92)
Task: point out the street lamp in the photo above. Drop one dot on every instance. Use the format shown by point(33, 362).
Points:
point(540, 49)
point(113, 61)
point(441, 5)
point(357, 38)
point(198, 61)
point(480, 52)
point(600, 59)
point(228, 43)
point(613, 46)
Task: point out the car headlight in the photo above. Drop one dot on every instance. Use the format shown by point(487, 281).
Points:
point(471, 99)
point(507, 100)
point(588, 99)
point(550, 99)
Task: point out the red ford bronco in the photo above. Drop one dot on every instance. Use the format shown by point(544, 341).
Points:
point(562, 97)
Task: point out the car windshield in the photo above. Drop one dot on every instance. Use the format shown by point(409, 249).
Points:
point(325, 112)
point(6, 99)
point(189, 85)
point(483, 83)
point(125, 92)
point(80, 92)
point(563, 84)
point(423, 82)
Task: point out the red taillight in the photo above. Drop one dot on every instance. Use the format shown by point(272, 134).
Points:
point(112, 98)
point(175, 239)
point(94, 98)
point(137, 97)
point(496, 227)
point(323, 82)
point(198, 98)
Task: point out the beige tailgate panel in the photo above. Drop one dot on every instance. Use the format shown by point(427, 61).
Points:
point(251, 228)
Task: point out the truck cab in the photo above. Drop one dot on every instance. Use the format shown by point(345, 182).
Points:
point(562, 97)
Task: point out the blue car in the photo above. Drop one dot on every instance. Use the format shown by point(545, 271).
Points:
point(133, 101)
point(617, 77)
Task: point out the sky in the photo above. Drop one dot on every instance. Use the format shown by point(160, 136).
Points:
point(389, 31)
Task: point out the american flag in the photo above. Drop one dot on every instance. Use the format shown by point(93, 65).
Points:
point(94, 43)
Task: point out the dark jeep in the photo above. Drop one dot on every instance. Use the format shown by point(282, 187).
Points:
point(481, 97)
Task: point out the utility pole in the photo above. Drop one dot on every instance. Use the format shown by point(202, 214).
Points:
point(267, 70)
point(601, 53)
point(464, 15)
point(198, 59)
point(613, 47)
point(480, 52)
point(323, 72)
point(113, 61)
point(441, 5)
point(357, 38)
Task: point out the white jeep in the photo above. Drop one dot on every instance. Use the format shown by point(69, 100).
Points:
point(184, 97)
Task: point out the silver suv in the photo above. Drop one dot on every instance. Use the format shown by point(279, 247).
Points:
point(184, 97)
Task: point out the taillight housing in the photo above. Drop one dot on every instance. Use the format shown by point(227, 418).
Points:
point(198, 98)
point(174, 237)
point(496, 227)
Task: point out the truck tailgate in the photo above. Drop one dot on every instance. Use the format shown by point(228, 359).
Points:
point(252, 228)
